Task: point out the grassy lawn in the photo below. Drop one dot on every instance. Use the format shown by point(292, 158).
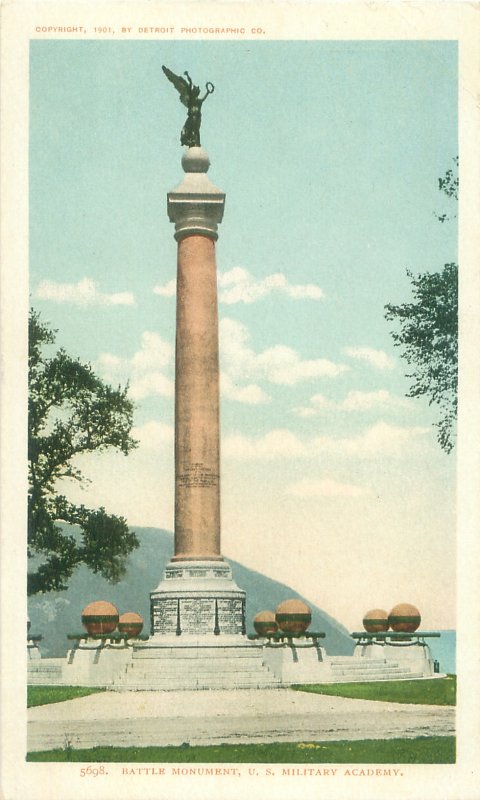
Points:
point(425, 750)
point(41, 695)
point(438, 692)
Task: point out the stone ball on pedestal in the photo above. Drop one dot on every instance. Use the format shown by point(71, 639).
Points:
point(100, 617)
point(265, 622)
point(404, 618)
point(293, 616)
point(195, 159)
point(376, 621)
point(130, 623)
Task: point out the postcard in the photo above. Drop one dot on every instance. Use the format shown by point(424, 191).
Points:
point(232, 316)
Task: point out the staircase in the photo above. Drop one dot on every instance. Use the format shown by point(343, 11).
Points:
point(239, 667)
point(45, 671)
point(350, 670)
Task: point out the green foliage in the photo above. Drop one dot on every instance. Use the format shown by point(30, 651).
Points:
point(426, 750)
point(44, 695)
point(449, 184)
point(436, 692)
point(429, 338)
point(71, 412)
point(428, 334)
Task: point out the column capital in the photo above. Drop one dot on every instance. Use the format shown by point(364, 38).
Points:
point(196, 205)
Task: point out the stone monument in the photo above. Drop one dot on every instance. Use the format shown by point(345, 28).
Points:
point(197, 595)
point(198, 634)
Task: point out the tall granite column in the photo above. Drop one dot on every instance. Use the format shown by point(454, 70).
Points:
point(197, 431)
point(197, 595)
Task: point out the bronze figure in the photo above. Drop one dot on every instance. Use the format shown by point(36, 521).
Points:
point(190, 97)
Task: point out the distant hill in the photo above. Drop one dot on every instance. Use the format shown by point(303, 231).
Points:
point(56, 614)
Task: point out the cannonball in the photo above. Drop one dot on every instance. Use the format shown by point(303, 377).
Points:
point(376, 621)
point(264, 622)
point(100, 617)
point(130, 623)
point(293, 616)
point(404, 618)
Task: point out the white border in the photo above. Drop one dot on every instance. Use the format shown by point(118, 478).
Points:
point(294, 20)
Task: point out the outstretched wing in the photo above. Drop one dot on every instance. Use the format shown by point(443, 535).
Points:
point(180, 84)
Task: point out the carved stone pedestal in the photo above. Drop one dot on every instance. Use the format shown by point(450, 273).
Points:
point(197, 598)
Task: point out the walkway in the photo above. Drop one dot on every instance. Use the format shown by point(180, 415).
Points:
point(213, 717)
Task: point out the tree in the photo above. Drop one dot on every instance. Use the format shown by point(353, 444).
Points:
point(71, 412)
point(449, 185)
point(429, 334)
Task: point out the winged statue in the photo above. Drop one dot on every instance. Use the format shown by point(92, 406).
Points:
point(190, 97)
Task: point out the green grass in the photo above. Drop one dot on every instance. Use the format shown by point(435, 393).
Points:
point(42, 695)
point(425, 750)
point(438, 692)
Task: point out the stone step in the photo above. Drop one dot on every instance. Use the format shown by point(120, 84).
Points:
point(134, 671)
point(371, 675)
point(197, 653)
point(37, 666)
point(214, 678)
point(377, 676)
point(194, 667)
point(377, 668)
point(368, 677)
point(216, 682)
point(46, 677)
point(361, 662)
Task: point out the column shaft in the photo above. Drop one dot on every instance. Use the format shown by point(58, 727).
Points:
point(197, 427)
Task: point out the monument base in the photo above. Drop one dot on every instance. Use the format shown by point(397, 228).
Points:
point(197, 598)
point(198, 636)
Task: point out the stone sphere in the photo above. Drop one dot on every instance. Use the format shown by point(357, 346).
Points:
point(293, 616)
point(404, 618)
point(131, 624)
point(195, 159)
point(100, 617)
point(264, 622)
point(376, 621)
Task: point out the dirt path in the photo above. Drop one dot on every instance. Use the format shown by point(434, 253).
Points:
point(214, 717)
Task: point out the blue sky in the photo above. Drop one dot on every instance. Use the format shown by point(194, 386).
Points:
point(329, 154)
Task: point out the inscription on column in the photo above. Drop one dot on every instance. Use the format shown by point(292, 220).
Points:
point(230, 616)
point(197, 474)
point(197, 615)
point(164, 613)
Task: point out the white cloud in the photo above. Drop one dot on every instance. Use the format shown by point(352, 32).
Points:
point(318, 404)
point(364, 401)
point(280, 365)
point(354, 401)
point(240, 286)
point(375, 358)
point(151, 384)
point(380, 439)
point(274, 444)
point(154, 435)
point(84, 293)
point(155, 353)
point(326, 487)
point(145, 370)
point(167, 290)
point(250, 394)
